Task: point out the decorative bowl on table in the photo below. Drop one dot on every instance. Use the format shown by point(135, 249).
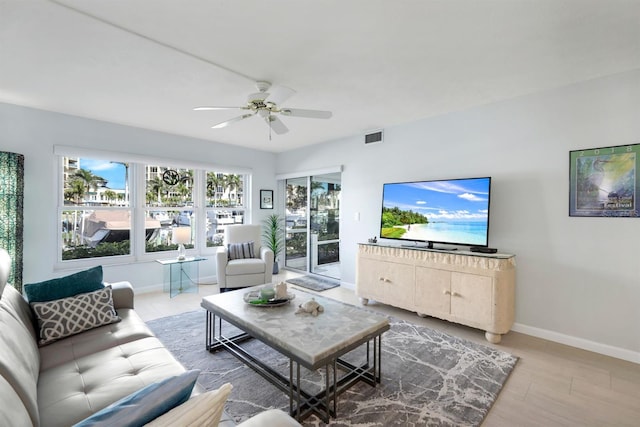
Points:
point(255, 298)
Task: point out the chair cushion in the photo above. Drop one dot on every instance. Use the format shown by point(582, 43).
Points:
point(245, 266)
point(146, 404)
point(240, 250)
point(63, 287)
point(69, 316)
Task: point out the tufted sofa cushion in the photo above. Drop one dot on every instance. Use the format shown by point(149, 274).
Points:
point(130, 328)
point(74, 390)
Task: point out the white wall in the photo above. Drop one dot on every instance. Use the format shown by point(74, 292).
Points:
point(578, 279)
point(34, 133)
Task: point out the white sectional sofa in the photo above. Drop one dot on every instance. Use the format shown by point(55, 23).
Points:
point(70, 379)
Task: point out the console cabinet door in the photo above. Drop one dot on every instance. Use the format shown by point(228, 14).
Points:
point(399, 283)
point(433, 291)
point(472, 297)
point(386, 282)
point(370, 279)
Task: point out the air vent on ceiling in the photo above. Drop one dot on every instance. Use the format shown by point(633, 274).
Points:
point(373, 137)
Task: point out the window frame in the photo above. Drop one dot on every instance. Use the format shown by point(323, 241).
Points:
point(138, 206)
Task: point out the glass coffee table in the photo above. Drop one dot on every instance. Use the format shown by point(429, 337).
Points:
point(315, 343)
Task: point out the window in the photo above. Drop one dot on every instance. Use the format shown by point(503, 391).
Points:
point(96, 213)
point(224, 204)
point(99, 218)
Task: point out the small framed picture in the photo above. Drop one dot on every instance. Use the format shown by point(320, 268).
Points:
point(266, 199)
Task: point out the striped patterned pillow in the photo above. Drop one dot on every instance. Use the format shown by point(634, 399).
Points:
point(240, 250)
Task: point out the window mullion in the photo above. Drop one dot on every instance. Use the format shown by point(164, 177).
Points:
point(137, 205)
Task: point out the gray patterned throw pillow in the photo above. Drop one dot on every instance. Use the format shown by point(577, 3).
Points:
point(241, 250)
point(69, 316)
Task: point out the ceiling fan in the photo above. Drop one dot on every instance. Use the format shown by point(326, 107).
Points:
point(267, 106)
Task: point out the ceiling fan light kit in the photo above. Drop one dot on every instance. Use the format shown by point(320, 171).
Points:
point(265, 105)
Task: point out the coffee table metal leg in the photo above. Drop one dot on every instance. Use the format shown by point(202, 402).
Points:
point(335, 389)
point(298, 390)
point(376, 361)
point(327, 394)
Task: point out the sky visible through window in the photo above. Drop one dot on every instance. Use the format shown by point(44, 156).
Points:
point(113, 172)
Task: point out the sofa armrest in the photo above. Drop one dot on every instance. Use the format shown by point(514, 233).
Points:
point(268, 257)
point(222, 258)
point(122, 294)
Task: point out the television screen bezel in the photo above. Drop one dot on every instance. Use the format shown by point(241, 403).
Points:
point(431, 242)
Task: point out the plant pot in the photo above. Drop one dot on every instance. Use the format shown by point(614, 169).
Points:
point(276, 267)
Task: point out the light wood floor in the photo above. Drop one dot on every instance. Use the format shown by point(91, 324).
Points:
point(552, 384)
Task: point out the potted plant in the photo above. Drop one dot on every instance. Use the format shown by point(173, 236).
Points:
point(273, 237)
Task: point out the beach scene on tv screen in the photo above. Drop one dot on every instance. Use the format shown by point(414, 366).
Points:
point(453, 211)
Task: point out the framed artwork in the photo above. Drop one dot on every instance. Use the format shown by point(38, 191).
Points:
point(604, 182)
point(266, 199)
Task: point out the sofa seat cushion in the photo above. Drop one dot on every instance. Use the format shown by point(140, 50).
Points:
point(72, 391)
point(130, 328)
point(146, 404)
point(245, 266)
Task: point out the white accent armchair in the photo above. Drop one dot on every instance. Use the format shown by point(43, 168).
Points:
point(244, 271)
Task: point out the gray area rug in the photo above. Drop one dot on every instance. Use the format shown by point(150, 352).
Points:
point(314, 283)
point(429, 378)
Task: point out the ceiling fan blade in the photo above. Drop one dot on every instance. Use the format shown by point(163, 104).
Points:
point(205, 108)
point(311, 114)
point(276, 124)
point(228, 122)
point(279, 94)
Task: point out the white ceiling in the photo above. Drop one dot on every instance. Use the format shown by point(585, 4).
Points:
point(373, 63)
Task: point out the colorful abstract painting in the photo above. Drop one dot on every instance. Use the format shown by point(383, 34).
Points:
point(603, 181)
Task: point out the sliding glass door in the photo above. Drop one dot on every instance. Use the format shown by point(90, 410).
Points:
point(324, 215)
point(296, 223)
point(313, 224)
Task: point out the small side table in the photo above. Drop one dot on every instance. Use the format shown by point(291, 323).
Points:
point(180, 274)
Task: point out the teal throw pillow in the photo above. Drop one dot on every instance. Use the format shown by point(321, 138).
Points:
point(78, 283)
point(146, 404)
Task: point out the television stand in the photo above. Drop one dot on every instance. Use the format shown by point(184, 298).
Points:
point(469, 288)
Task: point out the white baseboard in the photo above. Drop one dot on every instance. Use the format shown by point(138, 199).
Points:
point(608, 350)
point(347, 285)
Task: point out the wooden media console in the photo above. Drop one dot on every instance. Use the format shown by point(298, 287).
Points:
point(469, 288)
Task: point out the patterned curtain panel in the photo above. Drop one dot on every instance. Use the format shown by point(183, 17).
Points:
point(11, 219)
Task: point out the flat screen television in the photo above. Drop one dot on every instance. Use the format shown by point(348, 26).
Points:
point(448, 211)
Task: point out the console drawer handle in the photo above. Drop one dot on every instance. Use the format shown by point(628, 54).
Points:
point(446, 292)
